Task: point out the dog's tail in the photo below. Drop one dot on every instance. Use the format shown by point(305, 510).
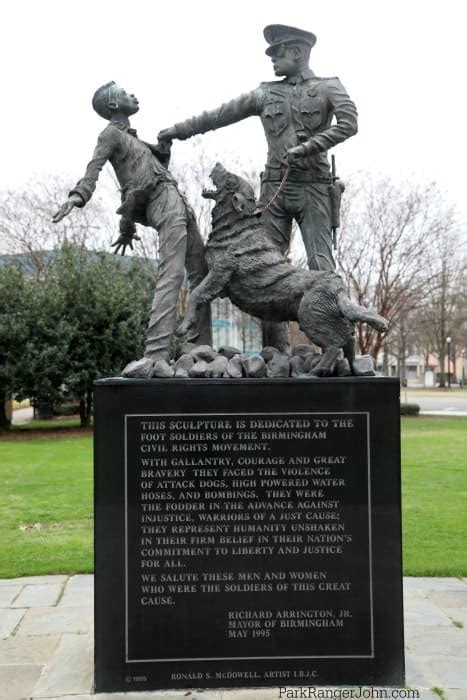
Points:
point(354, 312)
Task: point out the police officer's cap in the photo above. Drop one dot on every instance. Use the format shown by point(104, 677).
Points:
point(277, 34)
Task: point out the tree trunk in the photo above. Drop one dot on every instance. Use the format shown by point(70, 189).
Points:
point(88, 406)
point(85, 408)
point(386, 361)
point(82, 411)
point(442, 374)
point(403, 355)
point(376, 347)
point(5, 423)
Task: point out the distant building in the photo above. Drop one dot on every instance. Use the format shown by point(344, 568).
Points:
point(418, 370)
point(230, 326)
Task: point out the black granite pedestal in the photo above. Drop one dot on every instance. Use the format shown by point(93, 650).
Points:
point(247, 533)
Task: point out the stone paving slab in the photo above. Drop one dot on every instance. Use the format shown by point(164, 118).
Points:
point(27, 650)
point(81, 581)
point(86, 696)
point(447, 641)
point(33, 580)
point(52, 621)
point(451, 599)
point(39, 595)
point(447, 672)
point(455, 695)
point(48, 653)
point(456, 614)
point(422, 612)
point(9, 619)
point(78, 596)
point(415, 674)
point(425, 584)
point(71, 669)
point(18, 681)
point(424, 694)
point(164, 695)
point(8, 594)
point(251, 694)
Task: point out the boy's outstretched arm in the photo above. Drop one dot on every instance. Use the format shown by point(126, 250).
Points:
point(84, 188)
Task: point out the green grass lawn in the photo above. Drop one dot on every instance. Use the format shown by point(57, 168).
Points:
point(434, 491)
point(47, 425)
point(50, 482)
point(47, 482)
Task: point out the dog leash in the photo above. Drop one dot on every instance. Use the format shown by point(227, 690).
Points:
point(277, 192)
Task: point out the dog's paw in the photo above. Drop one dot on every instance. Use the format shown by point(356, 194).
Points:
point(381, 324)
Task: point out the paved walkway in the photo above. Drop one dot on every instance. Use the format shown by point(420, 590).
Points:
point(46, 641)
point(22, 415)
point(437, 402)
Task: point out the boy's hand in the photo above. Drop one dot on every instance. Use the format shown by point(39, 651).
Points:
point(74, 200)
point(123, 241)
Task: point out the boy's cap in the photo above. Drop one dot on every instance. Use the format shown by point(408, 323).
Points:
point(277, 34)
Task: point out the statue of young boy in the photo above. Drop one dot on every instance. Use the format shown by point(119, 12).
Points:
point(150, 197)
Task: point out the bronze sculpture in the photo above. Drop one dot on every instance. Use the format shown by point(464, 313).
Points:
point(296, 114)
point(246, 266)
point(150, 196)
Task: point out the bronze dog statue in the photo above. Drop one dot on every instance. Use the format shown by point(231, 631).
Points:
point(247, 267)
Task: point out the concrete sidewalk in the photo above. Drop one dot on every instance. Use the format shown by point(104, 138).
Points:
point(46, 643)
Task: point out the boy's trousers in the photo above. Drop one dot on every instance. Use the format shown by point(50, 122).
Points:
point(180, 246)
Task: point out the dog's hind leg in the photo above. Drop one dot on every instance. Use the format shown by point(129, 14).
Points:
point(349, 350)
point(327, 363)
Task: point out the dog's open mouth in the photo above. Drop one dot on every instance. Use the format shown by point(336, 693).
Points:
point(219, 176)
point(210, 194)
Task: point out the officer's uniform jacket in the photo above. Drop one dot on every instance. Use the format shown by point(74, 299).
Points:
point(293, 111)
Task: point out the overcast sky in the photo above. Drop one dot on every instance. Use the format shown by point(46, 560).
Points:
point(403, 63)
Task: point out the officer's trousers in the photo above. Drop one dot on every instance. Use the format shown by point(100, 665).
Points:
point(309, 205)
point(180, 246)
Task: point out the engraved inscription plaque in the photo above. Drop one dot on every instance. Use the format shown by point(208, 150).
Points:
point(257, 543)
point(263, 520)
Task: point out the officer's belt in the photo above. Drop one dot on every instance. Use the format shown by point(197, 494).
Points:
point(295, 175)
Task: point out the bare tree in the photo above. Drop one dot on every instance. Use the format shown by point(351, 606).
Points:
point(26, 222)
point(443, 313)
point(389, 238)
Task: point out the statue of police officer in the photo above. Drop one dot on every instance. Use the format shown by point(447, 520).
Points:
point(303, 116)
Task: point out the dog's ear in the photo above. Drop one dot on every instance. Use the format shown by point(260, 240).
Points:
point(238, 203)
